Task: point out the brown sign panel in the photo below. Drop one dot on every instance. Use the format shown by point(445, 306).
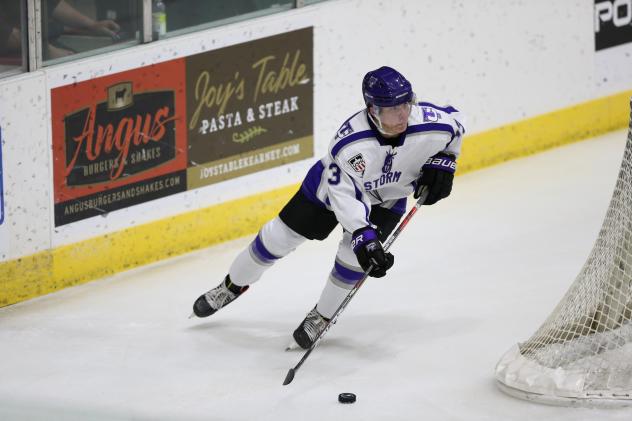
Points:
point(249, 107)
point(118, 140)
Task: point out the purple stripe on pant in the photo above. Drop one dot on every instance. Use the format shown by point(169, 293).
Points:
point(262, 252)
point(346, 275)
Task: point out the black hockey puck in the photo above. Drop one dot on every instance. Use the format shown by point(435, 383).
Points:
point(346, 398)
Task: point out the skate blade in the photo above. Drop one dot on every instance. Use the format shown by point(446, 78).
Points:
point(192, 316)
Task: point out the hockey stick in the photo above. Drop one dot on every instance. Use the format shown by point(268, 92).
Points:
point(292, 372)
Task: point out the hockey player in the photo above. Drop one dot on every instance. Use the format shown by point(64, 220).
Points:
point(394, 147)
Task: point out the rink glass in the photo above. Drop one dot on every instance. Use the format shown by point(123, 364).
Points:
point(13, 34)
point(191, 15)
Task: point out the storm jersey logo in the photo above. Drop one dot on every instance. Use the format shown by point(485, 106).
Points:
point(357, 163)
point(388, 178)
point(388, 162)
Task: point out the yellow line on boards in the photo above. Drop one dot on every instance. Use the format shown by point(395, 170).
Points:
point(536, 134)
point(73, 264)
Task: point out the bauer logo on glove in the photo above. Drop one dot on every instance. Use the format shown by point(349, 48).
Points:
point(442, 163)
point(436, 176)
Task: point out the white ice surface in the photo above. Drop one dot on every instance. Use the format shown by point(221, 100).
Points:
point(473, 275)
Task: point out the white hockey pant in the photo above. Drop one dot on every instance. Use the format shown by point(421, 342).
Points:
point(276, 240)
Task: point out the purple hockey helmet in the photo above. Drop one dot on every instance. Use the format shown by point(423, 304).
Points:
point(386, 87)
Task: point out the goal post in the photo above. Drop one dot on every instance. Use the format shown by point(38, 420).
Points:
point(582, 353)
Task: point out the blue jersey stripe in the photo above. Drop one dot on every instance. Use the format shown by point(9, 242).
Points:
point(449, 109)
point(311, 182)
point(400, 206)
point(365, 134)
point(358, 195)
point(430, 127)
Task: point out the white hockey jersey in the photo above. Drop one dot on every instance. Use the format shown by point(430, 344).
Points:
point(363, 168)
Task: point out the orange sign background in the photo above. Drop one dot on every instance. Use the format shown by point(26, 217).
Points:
point(167, 78)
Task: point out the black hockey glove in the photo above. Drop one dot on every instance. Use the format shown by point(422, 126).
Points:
point(369, 251)
point(436, 176)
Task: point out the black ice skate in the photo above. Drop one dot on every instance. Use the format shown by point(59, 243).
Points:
point(309, 329)
point(218, 297)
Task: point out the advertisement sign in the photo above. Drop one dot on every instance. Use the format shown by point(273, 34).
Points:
point(143, 134)
point(249, 107)
point(613, 23)
point(613, 43)
point(118, 140)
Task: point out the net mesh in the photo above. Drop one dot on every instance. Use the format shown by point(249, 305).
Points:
point(588, 337)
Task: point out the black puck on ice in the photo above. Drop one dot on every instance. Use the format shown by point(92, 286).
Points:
point(346, 398)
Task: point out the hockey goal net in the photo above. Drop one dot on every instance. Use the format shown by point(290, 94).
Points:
point(582, 354)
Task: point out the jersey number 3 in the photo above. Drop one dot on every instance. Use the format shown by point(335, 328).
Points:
point(334, 174)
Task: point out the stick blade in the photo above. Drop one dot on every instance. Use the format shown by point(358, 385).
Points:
point(289, 377)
